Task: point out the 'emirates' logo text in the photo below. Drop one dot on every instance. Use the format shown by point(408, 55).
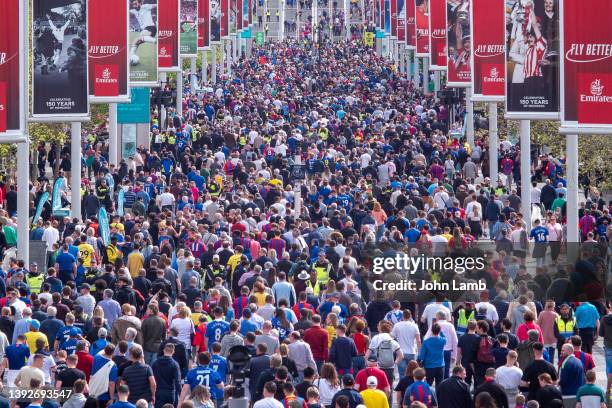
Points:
point(493, 76)
point(596, 93)
point(162, 52)
point(106, 73)
point(106, 77)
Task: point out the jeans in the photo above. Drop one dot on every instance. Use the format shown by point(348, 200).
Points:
point(403, 365)
point(358, 363)
point(390, 373)
point(434, 374)
point(447, 363)
point(551, 354)
point(150, 357)
point(608, 351)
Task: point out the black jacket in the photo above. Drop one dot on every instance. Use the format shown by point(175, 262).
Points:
point(454, 393)
point(167, 375)
point(180, 353)
point(496, 391)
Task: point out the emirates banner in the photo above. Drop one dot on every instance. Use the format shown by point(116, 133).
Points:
point(108, 51)
point(59, 59)
point(401, 21)
point(143, 43)
point(10, 68)
point(215, 21)
point(203, 25)
point(422, 28)
point(586, 72)
point(488, 58)
point(393, 8)
point(168, 46)
point(189, 28)
point(458, 44)
point(532, 60)
point(437, 39)
point(225, 16)
point(410, 25)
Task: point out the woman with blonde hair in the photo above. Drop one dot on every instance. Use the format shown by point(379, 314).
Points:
point(331, 322)
point(259, 291)
point(328, 384)
point(184, 326)
point(200, 397)
point(380, 217)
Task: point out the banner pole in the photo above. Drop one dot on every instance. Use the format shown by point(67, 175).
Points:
point(415, 68)
point(493, 143)
point(204, 67)
point(222, 50)
point(525, 140)
point(426, 75)
point(194, 76)
point(112, 134)
point(213, 66)
point(469, 128)
point(572, 188)
point(76, 169)
point(179, 89)
point(23, 201)
point(436, 83)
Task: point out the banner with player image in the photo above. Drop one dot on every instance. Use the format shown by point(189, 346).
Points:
point(458, 44)
point(586, 70)
point(189, 28)
point(387, 17)
point(59, 59)
point(143, 43)
point(233, 16)
point(11, 72)
point(379, 18)
point(422, 28)
point(410, 25)
point(532, 60)
point(168, 37)
point(488, 58)
point(245, 14)
point(401, 21)
point(203, 25)
point(225, 16)
point(108, 51)
point(239, 15)
point(437, 39)
point(393, 5)
point(215, 21)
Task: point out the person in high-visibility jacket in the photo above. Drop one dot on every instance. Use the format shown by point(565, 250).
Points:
point(565, 325)
point(323, 269)
point(323, 134)
point(35, 279)
point(313, 283)
point(464, 315)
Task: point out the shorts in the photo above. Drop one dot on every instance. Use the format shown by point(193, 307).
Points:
point(152, 30)
point(608, 352)
point(10, 377)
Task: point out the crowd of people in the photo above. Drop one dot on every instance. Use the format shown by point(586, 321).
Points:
point(251, 223)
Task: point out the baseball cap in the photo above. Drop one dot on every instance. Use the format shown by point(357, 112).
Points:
point(372, 358)
point(348, 379)
point(372, 381)
point(35, 324)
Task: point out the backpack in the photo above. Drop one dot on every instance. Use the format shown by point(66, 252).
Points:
point(485, 347)
point(525, 353)
point(385, 354)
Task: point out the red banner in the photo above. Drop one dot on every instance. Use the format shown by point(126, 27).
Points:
point(168, 37)
point(488, 41)
point(239, 15)
point(108, 49)
point(203, 25)
point(394, 18)
point(410, 24)
point(10, 79)
point(381, 15)
point(437, 39)
point(586, 71)
point(225, 13)
point(422, 28)
point(250, 12)
point(458, 44)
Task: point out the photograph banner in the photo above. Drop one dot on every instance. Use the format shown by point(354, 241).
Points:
point(401, 21)
point(225, 16)
point(143, 43)
point(410, 25)
point(10, 68)
point(215, 21)
point(189, 28)
point(379, 18)
point(586, 71)
point(437, 39)
point(532, 60)
point(422, 28)
point(239, 15)
point(108, 51)
point(245, 13)
point(233, 17)
point(387, 17)
point(393, 5)
point(59, 59)
point(458, 44)
point(203, 25)
point(488, 58)
point(168, 45)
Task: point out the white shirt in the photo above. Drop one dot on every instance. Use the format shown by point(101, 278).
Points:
point(535, 195)
point(508, 377)
point(269, 402)
point(326, 391)
point(491, 311)
point(379, 338)
point(48, 364)
point(166, 199)
point(143, 15)
point(406, 333)
point(51, 235)
point(184, 326)
point(431, 310)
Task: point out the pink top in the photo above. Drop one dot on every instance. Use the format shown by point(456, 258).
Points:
point(546, 321)
point(380, 217)
point(524, 328)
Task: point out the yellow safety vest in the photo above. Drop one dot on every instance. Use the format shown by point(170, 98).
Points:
point(171, 140)
point(566, 329)
point(322, 273)
point(35, 282)
point(195, 135)
point(324, 134)
point(462, 321)
point(315, 289)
